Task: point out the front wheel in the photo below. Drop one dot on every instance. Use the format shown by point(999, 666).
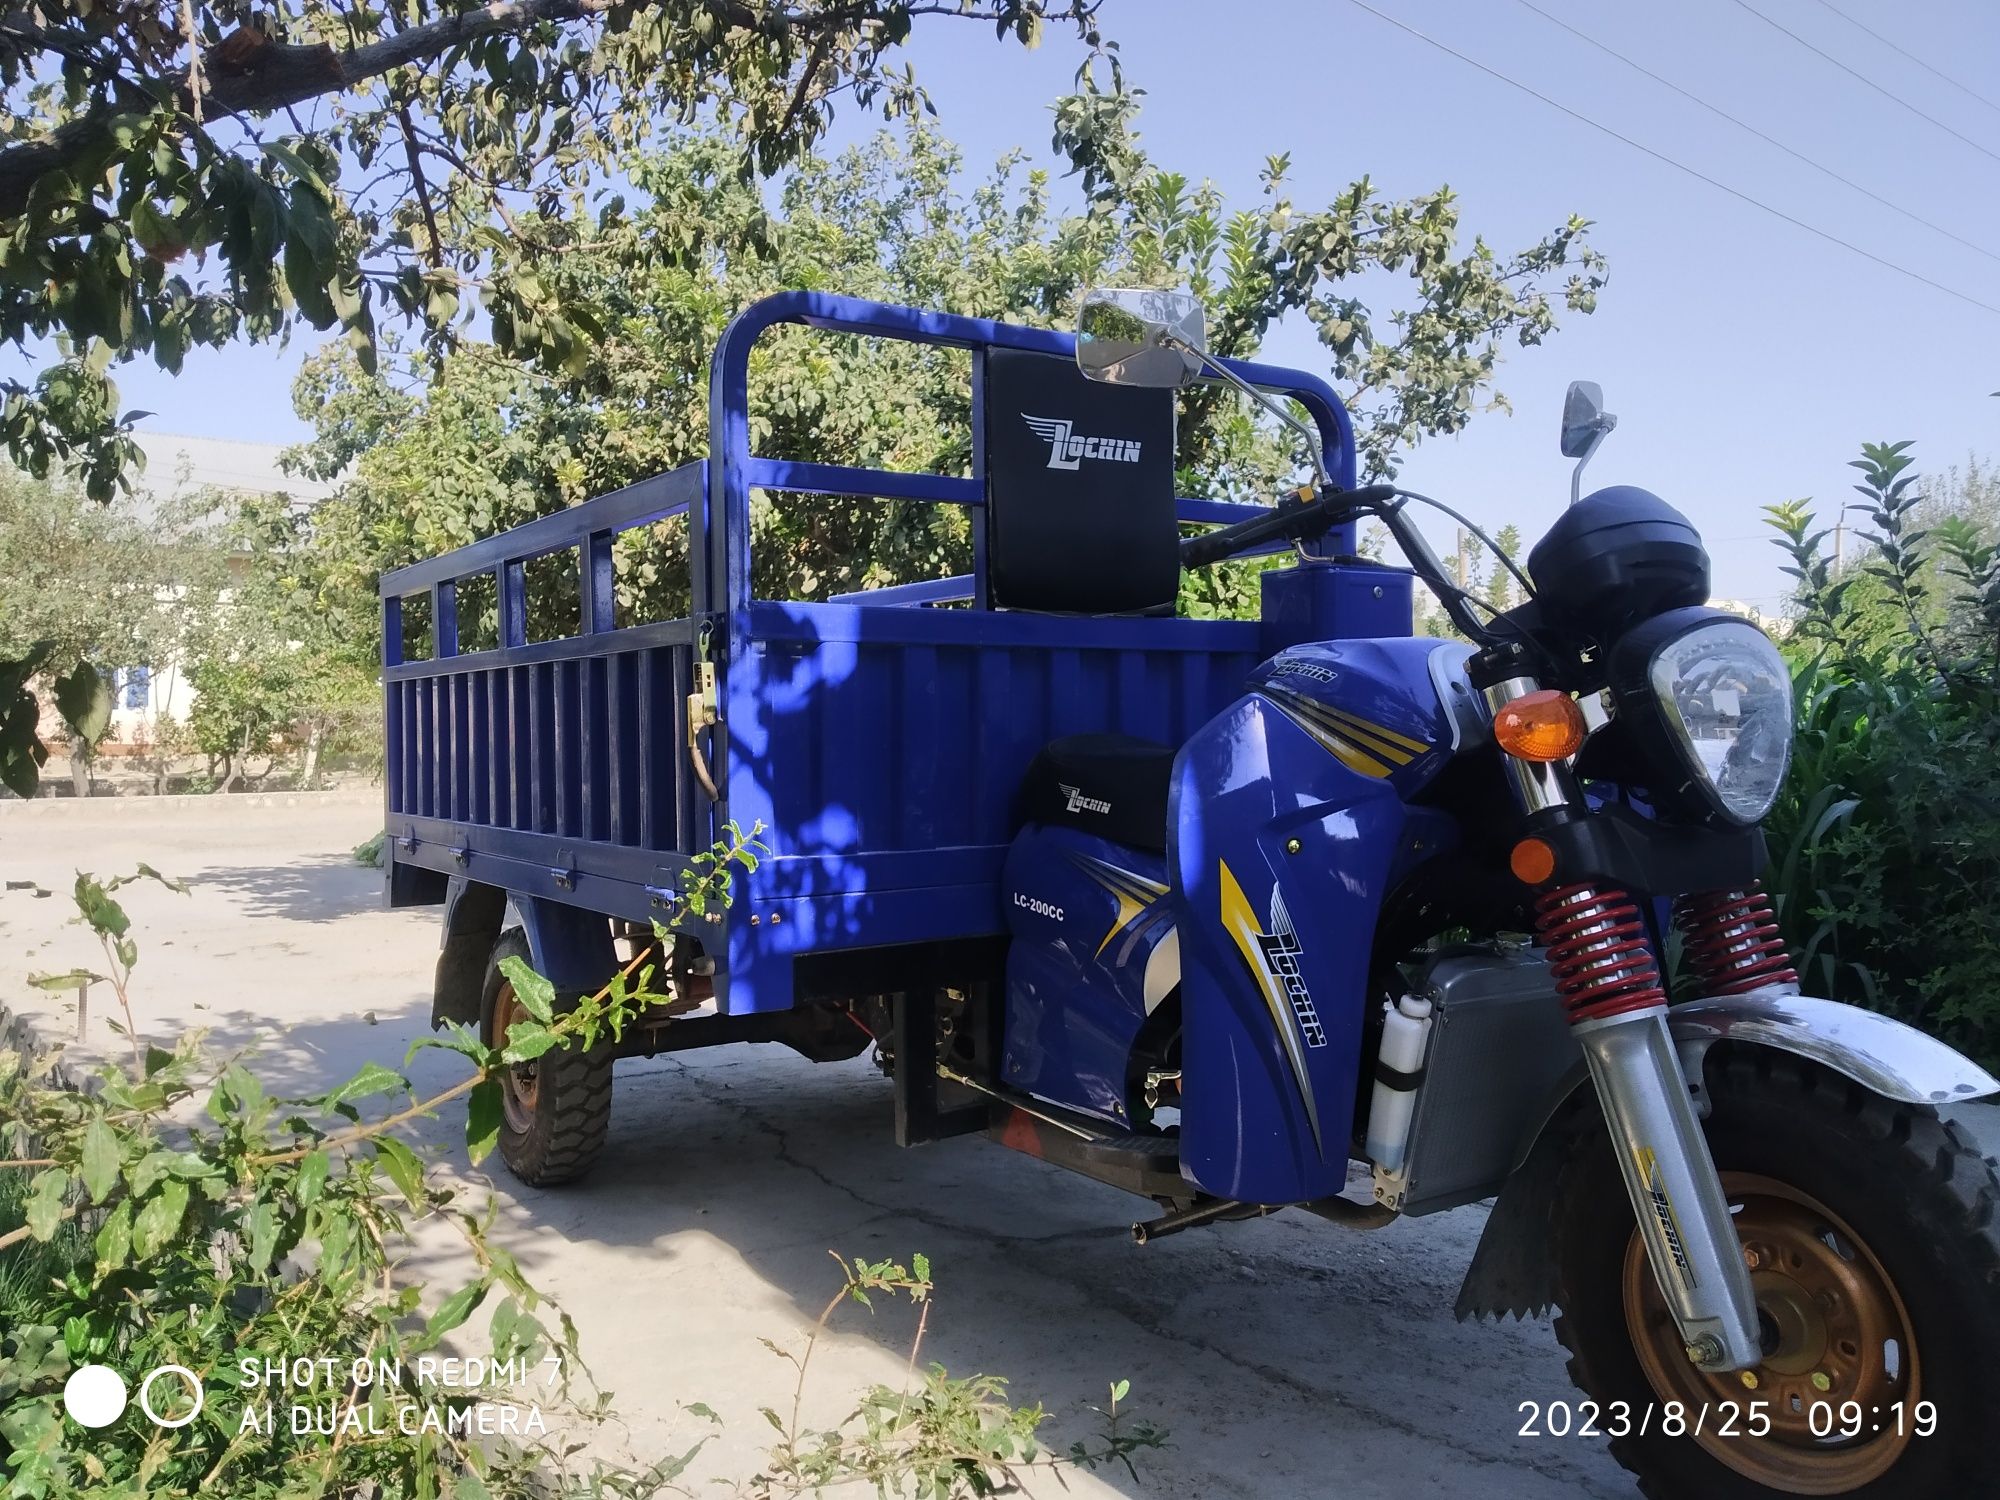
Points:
point(1872, 1234)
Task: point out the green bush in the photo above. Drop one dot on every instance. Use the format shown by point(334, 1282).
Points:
point(1886, 847)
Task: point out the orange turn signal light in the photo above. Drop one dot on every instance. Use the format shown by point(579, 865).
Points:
point(1542, 725)
point(1532, 861)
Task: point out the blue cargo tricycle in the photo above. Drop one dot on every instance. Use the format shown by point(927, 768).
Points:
point(1237, 915)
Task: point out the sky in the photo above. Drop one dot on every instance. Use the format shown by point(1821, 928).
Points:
point(1746, 357)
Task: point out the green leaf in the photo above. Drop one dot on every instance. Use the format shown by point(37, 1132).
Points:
point(528, 1040)
point(159, 1218)
point(401, 1163)
point(457, 1308)
point(98, 910)
point(311, 1179)
point(84, 701)
point(101, 1159)
point(114, 1240)
point(536, 994)
point(482, 1119)
point(67, 980)
point(371, 1080)
point(45, 1202)
point(263, 1221)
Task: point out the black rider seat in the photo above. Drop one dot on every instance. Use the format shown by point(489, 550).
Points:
point(1112, 785)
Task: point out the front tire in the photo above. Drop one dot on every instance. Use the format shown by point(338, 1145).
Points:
point(1872, 1230)
point(555, 1111)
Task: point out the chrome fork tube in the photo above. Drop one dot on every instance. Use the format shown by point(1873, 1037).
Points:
point(1671, 1180)
point(1663, 1156)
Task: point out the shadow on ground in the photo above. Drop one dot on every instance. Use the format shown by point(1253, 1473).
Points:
point(1277, 1352)
point(314, 888)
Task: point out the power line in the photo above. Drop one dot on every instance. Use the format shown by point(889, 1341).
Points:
point(1678, 166)
point(1906, 52)
point(1863, 77)
point(1716, 109)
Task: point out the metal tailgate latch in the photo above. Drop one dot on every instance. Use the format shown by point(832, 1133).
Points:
point(703, 711)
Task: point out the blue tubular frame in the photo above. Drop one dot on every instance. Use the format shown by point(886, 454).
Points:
point(880, 744)
point(734, 472)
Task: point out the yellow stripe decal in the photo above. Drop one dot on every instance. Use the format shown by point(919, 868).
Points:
point(1381, 731)
point(1135, 893)
point(1241, 921)
point(1345, 751)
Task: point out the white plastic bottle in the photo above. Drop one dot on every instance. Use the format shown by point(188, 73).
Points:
point(1406, 1031)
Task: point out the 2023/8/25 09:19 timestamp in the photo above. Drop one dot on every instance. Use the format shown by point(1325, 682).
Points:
point(1829, 1420)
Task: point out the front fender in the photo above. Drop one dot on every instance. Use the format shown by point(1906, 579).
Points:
point(1513, 1269)
point(1881, 1054)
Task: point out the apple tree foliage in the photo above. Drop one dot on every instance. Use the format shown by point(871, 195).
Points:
point(186, 173)
point(449, 445)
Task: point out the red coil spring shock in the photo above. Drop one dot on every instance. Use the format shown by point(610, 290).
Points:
point(1598, 952)
point(1731, 941)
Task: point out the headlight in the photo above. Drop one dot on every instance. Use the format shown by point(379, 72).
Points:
point(1713, 701)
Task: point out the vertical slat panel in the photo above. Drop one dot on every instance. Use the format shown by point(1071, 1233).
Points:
point(541, 747)
point(595, 584)
point(444, 620)
point(687, 818)
point(919, 743)
point(462, 734)
point(977, 515)
point(430, 748)
point(480, 743)
point(521, 767)
point(956, 822)
point(392, 743)
point(569, 757)
point(995, 732)
point(413, 755)
point(627, 756)
point(594, 717)
point(497, 751)
point(653, 793)
point(513, 589)
point(589, 736)
point(857, 768)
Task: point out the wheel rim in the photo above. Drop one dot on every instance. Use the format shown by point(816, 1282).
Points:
point(520, 1085)
point(1835, 1330)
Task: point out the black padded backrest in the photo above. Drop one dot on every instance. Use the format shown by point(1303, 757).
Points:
point(1079, 490)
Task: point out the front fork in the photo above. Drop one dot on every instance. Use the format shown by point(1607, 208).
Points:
point(1609, 984)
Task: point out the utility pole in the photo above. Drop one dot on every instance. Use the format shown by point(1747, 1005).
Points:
point(1460, 560)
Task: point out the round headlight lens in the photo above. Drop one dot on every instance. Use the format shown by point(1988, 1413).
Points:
point(1727, 700)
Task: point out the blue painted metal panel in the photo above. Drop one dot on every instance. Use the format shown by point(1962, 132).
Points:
point(1276, 940)
point(1095, 952)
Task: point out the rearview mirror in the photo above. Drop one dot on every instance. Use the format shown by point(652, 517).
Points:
point(1140, 338)
point(1584, 418)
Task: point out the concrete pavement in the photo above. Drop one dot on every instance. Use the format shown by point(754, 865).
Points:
point(1288, 1357)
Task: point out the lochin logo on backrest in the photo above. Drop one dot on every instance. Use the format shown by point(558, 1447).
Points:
point(1067, 450)
point(1080, 802)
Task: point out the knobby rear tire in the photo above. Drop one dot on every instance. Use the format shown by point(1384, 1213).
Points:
point(571, 1115)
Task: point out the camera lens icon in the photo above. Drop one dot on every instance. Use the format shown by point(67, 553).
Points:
point(96, 1396)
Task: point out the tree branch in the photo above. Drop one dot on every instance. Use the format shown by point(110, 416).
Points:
point(246, 73)
point(423, 188)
